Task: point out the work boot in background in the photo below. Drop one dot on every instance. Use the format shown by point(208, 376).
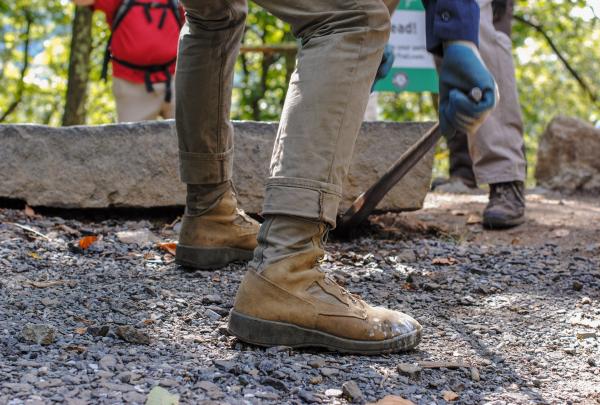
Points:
point(461, 167)
point(506, 207)
point(286, 299)
point(214, 231)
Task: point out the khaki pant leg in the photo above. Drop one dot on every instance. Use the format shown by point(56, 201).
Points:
point(134, 103)
point(342, 46)
point(167, 110)
point(497, 148)
point(208, 47)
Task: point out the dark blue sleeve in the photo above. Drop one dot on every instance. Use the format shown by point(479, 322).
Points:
point(451, 20)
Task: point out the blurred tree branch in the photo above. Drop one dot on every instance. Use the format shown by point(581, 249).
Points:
point(23, 72)
point(542, 31)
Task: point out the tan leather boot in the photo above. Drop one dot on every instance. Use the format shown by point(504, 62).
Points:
point(221, 235)
point(292, 302)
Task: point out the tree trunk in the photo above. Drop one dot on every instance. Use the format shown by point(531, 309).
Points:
point(79, 67)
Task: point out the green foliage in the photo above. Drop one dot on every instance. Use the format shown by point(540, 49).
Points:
point(546, 86)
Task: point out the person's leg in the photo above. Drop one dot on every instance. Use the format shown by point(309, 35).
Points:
point(214, 231)
point(285, 299)
point(134, 103)
point(497, 148)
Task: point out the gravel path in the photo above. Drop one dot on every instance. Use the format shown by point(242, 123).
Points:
point(504, 324)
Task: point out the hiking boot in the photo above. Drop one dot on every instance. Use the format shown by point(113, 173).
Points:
point(219, 235)
point(506, 207)
point(286, 299)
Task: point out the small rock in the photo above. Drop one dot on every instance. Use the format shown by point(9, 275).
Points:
point(329, 372)
point(591, 362)
point(139, 237)
point(160, 396)
point(334, 392)
point(108, 362)
point(98, 331)
point(536, 382)
point(317, 362)
point(212, 315)
point(586, 335)
point(130, 334)
point(316, 379)
point(586, 301)
point(352, 392)
point(450, 396)
point(570, 350)
point(212, 299)
point(411, 370)
point(40, 334)
point(275, 383)
point(308, 396)
point(211, 389)
point(475, 374)
point(227, 366)
point(577, 285)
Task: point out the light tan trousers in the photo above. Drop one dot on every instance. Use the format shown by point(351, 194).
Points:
point(497, 148)
point(135, 103)
point(342, 45)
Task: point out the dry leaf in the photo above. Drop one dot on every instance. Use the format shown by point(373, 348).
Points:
point(473, 219)
point(444, 261)
point(34, 255)
point(392, 400)
point(80, 331)
point(87, 241)
point(450, 396)
point(77, 349)
point(168, 247)
point(29, 211)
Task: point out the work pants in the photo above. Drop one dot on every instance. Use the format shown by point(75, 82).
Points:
point(341, 47)
point(496, 151)
point(135, 103)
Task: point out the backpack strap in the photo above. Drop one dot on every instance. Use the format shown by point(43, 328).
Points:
point(122, 11)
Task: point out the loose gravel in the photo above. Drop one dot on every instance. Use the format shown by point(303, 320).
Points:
point(105, 325)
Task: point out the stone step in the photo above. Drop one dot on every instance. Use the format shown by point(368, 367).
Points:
point(136, 164)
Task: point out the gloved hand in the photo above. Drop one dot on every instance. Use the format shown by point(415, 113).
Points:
point(387, 61)
point(462, 71)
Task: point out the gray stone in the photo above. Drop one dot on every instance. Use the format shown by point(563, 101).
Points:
point(40, 334)
point(139, 237)
point(411, 370)
point(136, 165)
point(568, 156)
point(132, 335)
point(352, 392)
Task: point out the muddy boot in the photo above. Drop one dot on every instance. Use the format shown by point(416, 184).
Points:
point(506, 207)
point(286, 299)
point(214, 232)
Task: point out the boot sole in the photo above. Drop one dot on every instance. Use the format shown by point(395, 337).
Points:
point(209, 258)
point(261, 332)
point(492, 223)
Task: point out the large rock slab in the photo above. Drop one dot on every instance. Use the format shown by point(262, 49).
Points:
point(136, 165)
point(569, 156)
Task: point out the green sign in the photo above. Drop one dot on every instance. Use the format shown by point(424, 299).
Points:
point(414, 67)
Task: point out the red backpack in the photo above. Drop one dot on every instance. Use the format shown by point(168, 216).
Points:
point(146, 56)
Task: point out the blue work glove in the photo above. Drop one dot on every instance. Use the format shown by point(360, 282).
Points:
point(468, 92)
point(387, 61)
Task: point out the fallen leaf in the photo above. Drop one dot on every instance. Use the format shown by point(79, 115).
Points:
point(168, 247)
point(561, 233)
point(29, 211)
point(87, 241)
point(81, 331)
point(444, 261)
point(34, 255)
point(160, 396)
point(473, 219)
point(77, 349)
point(450, 396)
point(392, 400)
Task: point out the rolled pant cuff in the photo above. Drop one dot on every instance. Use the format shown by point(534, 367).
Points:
point(205, 168)
point(302, 198)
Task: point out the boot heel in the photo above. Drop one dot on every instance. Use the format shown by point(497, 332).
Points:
point(209, 258)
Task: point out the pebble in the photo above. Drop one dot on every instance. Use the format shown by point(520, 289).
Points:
point(352, 392)
point(410, 370)
point(132, 335)
point(41, 334)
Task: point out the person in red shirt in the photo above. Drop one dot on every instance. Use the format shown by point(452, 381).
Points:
point(142, 51)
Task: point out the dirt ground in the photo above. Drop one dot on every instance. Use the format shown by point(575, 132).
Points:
point(509, 317)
